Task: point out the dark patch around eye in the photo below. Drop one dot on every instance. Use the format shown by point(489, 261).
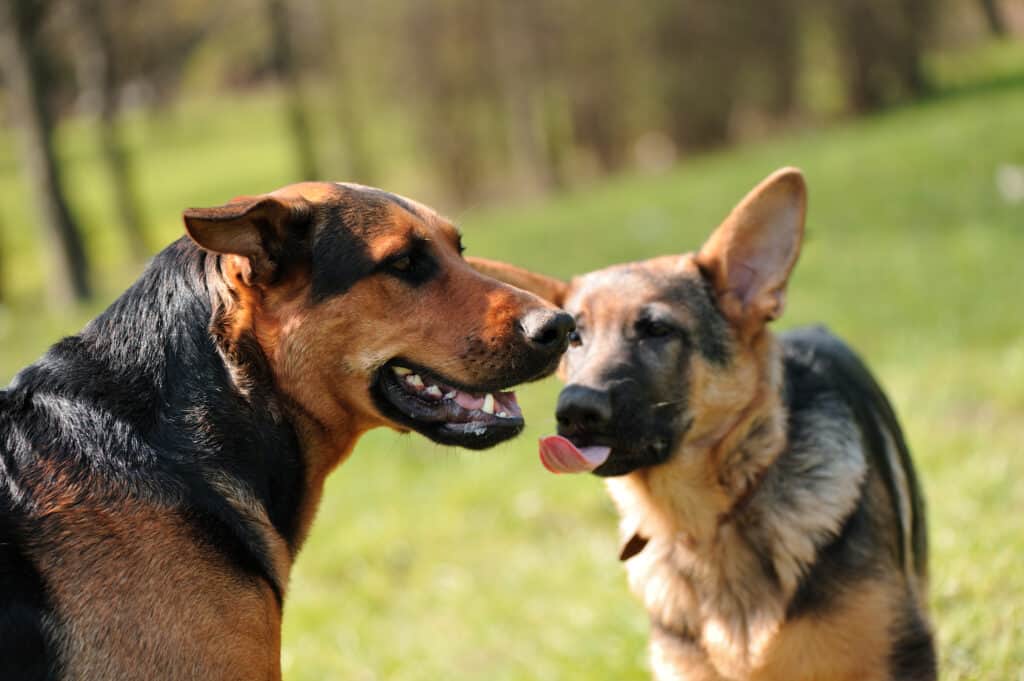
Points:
point(650, 326)
point(711, 332)
point(417, 264)
point(340, 256)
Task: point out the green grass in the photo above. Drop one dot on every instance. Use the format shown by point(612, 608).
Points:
point(429, 563)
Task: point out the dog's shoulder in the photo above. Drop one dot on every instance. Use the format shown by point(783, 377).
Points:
point(26, 651)
point(820, 365)
point(139, 407)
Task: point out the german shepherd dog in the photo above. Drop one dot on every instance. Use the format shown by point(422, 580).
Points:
point(773, 524)
point(160, 470)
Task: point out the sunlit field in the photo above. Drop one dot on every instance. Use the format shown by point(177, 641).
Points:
point(429, 563)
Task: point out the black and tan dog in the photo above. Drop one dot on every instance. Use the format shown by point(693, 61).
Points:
point(160, 470)
point(774, 526)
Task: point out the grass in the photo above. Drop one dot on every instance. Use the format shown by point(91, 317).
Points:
point(429, 563)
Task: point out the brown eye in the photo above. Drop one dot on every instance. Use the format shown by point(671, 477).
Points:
point(652, 328)
point(403, 264)
point(575, 339)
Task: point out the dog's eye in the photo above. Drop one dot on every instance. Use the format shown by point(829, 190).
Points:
point(575, 339)
point(653, 328)
point(403, 264)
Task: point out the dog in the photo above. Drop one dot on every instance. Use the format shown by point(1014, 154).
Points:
point(772, 520)
point(160, 470)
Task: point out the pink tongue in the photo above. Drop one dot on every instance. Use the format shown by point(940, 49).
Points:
point(561, 456)
point(467, 401)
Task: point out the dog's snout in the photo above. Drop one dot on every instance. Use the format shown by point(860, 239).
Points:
point(583, 409)
point(548, 329)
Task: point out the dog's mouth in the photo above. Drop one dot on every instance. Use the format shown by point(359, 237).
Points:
point(443, 410)
point(561, 455)
point(599, 455)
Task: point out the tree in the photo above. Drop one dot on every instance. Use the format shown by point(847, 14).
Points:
point(100, 77)
point(881, 44)
point(287, 72)
point(701, 67)
point(451, 71)
point(349, 115)
point(23, 61)
point(994, 17)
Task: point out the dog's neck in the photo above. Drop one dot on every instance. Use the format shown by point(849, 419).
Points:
point(243, 332)
point(710, 479)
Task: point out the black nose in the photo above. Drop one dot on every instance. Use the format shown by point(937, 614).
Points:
point(582, 409)
point(548, 329)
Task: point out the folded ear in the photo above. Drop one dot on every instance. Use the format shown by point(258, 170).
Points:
point(255, 227)
point(550, 289)
point(750, 256)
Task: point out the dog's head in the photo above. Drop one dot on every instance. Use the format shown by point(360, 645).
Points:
point(365, 313)
point(670, 351)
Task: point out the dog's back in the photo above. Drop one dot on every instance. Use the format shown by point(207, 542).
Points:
point(819, 363)
point(885, 532)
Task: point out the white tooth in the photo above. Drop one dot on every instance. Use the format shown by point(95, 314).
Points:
point(401, 371)
point(433, 391)
point(450, 395)
point(503, 414)
point(414, 380)
point(488, 407)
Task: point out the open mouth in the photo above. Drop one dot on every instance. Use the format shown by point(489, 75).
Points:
point(446, 413)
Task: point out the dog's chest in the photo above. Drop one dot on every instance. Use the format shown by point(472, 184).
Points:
point(731, 611)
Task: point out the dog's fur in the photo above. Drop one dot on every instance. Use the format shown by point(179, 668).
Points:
point(160, 470)
point(773, 523)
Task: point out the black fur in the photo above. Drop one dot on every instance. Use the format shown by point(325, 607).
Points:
point(913, 653)
point(340, 255)
point(387, 197)
point(841, 565)
point(821, 373)
point(339, 251)
point(140, 405)
point(712, 332)
point(26, 650)
point(818, 363)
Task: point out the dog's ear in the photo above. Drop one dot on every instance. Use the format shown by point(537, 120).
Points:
point(550, 289)
point(750, 256)
point(254, 227)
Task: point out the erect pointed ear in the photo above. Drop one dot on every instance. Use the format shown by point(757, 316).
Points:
point(550, 289)
point(751, 254)
point(254, 227)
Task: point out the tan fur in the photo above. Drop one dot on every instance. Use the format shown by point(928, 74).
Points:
point(140, 598)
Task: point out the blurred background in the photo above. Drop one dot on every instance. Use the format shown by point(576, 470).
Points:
point(561, 135)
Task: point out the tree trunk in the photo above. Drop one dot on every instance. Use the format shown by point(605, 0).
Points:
point(449, 92)
point(520, 89)
point(348, 114)
point(994, 17)
point(700, 69)
point(22, 60)
point(99, 74)
point(285, 68)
